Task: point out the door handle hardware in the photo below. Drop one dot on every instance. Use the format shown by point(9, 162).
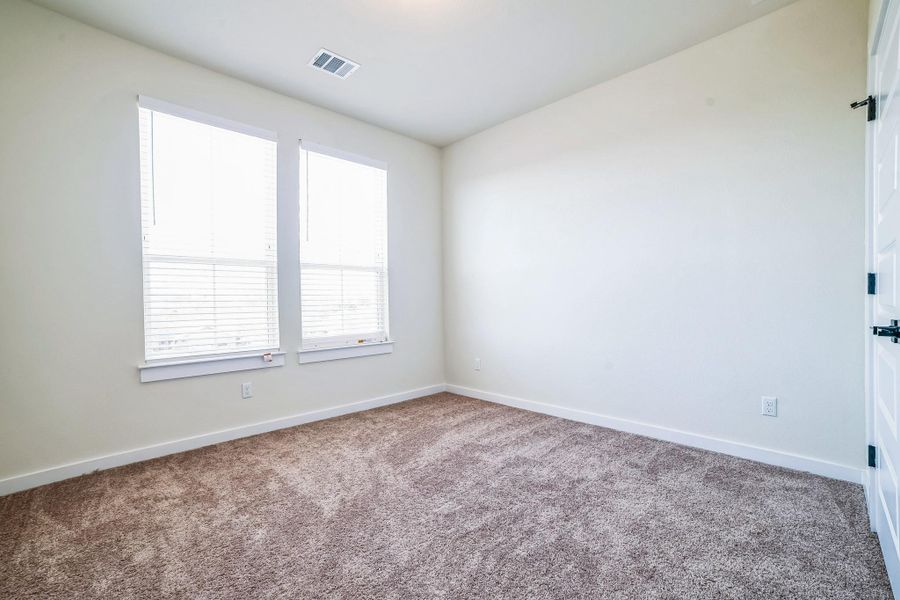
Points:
point(892, 331)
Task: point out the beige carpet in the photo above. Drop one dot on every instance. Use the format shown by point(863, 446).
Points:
point(442, 497)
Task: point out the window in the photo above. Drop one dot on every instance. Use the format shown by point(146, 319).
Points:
point(208, 203)
point(343, 252)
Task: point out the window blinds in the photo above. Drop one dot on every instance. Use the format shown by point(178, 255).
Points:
point(208, 203)
point(343, 249)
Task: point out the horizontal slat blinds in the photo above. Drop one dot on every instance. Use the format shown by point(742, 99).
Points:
point(343, 251)
point(209, 244)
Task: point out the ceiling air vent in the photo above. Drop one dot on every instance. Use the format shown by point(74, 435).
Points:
point(329, 62)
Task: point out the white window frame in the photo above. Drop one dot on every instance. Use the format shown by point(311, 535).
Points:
point(163, 369)
point(362, 344)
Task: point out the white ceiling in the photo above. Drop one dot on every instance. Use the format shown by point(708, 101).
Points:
point(436, 70)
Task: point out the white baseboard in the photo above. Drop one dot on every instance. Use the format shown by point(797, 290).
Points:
point(37, 478)
point(763, 455)
point(756, 453)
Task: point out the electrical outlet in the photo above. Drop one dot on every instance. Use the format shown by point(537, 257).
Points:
point(246, 390)
point(770, 406)
point(477, 364)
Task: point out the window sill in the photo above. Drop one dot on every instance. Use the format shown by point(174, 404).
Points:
point(324, 354)
point(210, 365)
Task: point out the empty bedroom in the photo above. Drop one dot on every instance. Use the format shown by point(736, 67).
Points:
point(493, 299)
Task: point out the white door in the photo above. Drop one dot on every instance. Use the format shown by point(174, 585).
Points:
point(884, 242)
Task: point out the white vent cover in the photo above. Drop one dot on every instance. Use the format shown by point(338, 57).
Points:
point(329, 62)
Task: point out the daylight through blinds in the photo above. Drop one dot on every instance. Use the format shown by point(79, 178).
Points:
point(208, 198)
point(343, 251)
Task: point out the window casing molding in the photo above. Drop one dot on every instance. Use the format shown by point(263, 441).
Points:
point(340, 352)
point(308, 146)
point(212, 278)
point(346, 344)
point(161, 370)
point(198, 116)
point(311, 350)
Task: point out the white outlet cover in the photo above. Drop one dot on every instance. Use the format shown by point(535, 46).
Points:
point(769, 406)
point(246, 390)
point(477, 364)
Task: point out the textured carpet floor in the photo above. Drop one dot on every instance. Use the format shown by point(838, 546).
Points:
point(442, 497)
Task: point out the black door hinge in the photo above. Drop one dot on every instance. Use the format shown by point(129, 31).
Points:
point(873, 457)
point(871, 112)
point(872, 283)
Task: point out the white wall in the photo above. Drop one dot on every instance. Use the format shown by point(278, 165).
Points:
point(669, 246)
point(71, 325)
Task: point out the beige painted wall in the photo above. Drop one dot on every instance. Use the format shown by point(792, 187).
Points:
point(671, 245)
point(71, 326)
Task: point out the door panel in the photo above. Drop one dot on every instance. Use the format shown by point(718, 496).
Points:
point(886, 176)
point(884, 234)
point(887, 276)
point(885, 388)
point(887, 496)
